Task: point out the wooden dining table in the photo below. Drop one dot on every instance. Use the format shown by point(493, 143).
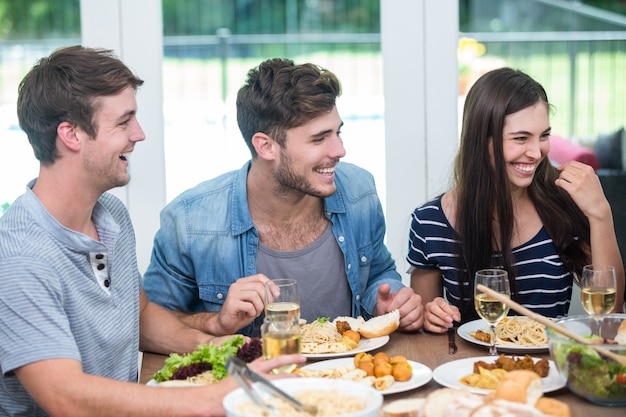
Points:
point(432, 350)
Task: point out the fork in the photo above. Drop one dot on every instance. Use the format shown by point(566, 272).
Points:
point(243, 374)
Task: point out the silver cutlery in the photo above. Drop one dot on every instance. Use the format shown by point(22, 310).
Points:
point(242, 373)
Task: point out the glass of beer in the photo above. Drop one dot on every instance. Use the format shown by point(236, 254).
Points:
point(282, 300)
point(280, 331)
point(281, 337)
point(490, 309)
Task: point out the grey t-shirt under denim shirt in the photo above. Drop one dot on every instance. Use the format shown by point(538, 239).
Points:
point(320, 272)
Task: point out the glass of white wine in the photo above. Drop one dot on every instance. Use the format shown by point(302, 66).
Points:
point(280, 331)
point(598, 289)
point(490, 309)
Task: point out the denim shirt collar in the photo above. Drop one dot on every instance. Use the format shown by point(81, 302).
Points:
point(241, 220)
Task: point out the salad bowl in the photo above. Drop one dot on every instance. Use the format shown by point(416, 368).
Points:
point(589, 375)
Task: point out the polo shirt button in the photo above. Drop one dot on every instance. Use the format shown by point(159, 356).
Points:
point(99, 256)
point(106, 283)
point(100, 267)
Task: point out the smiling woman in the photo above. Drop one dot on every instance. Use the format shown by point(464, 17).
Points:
point(507, 192)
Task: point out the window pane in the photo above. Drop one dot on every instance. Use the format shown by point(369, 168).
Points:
point(576, 51)
point(209, 47)
point(29, 30)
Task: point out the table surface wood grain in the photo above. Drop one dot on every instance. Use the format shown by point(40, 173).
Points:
point(432, 351)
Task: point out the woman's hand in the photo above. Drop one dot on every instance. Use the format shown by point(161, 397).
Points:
point(582, 184)
point(439, 315)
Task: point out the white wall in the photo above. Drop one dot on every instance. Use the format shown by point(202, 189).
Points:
point(419, 44)
point(134, 30)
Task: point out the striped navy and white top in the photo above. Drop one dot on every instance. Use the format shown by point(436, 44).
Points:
point(544, 284)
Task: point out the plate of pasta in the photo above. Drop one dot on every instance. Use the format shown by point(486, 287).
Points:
point(321, 340)
point(365, 345)
point(514, 334)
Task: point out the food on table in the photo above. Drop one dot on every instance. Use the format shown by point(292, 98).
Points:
point(348, 323)
point(381, 383)
point(587, 372)
point(509, 363)
point(519, 385)
point(321, 336)
point(380, 357)
point(488, 375)
point(328, 404)
point(515, 331)
point(404, 408)
point(381, 376)
point(375, 327)
point(206, 364)
point(341, 372)
point(484, 378)
point(402, 371)
point(382, 369)
point(552, 407)
point(344, 333)
point(351, 334)
point(590, 375)
point(520, 394)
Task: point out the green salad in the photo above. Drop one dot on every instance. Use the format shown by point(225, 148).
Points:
point(590, 375)
point(212, 356)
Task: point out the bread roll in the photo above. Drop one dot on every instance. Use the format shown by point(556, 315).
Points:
point(448, 402)
point(520, 386)
point(404, 408)
point(380, 325)
point(553, 407)
point(375, 327)
point(458, 403)
point(440, 403)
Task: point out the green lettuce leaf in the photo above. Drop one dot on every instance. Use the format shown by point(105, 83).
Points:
point(215, 355)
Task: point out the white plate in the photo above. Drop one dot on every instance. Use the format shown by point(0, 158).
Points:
point(450, 373)
point(421, 374)
point(365, 345)
point(480, 324)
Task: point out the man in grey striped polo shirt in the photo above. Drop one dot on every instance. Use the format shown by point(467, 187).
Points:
point(71, 296)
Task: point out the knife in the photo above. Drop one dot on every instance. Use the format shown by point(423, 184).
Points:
point(452, 348)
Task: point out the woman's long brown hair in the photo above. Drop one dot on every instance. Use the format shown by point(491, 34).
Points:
point(483, 191)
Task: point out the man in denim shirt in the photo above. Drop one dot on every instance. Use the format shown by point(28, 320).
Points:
point(293, 211)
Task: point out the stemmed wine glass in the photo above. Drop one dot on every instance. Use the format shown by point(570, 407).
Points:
point(490, 309)
point(280, 331)
point(598, 290)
